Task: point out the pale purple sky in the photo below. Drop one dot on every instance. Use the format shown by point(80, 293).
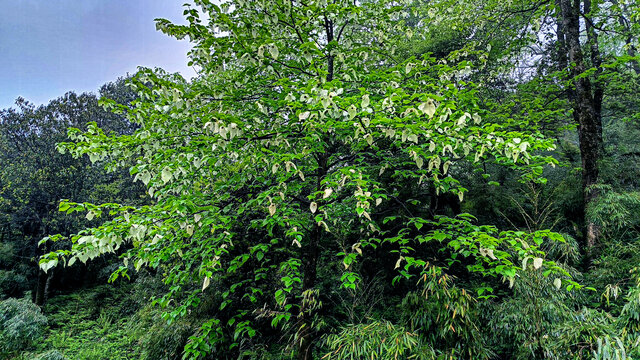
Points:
point(49, 47)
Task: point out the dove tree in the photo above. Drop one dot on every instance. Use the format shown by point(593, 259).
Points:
point(290, 150)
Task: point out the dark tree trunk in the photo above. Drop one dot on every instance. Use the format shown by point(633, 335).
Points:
point(311, 253)
point(43, 281)
point(596, 62)
point(47, 286)
point(586, 103)
point(309, 268)
point(41, 288)
point(311, 250)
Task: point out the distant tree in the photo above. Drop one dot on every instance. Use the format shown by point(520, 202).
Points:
point(552, 65)
point(34, 176)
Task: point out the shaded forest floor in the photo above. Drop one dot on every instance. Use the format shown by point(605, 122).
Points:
point(97, 323)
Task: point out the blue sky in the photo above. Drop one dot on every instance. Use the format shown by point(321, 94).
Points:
point(49, 47)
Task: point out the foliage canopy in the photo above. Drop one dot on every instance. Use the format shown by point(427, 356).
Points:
point(308, 141)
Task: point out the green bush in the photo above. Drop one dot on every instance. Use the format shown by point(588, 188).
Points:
point(12, 284)
point(380, 340)
point(163, 341)
point(21, 324)
point(89, 324)
point(610, 349)
point(445, 317)
point(6, 254)
point(51, 355)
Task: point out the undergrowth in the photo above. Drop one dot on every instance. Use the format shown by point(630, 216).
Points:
point(97, 323)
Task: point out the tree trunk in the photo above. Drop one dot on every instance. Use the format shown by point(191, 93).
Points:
point(42, 281)
point(587, 104)
point(41, 288)
point(47, 286)
point(311, 253)
point(309, 268)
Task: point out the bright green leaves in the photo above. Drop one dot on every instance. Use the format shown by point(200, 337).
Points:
point(495, 253)
point(292, 142)
point(49, 263)
point(200, 346)
point(375, 340)
point(349, 280)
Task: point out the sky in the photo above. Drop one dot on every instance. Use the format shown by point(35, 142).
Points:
point(49, 47)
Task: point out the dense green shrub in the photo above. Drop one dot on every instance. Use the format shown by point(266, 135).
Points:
point(629, 319)
point(21, 324)
point(6, 253)
point(51, 355)
point(164, 341)
point(91, 324)
point(610, 349)
point(578, 337)
point(12, 284)
point(615, 212)
point(380, 340)
point(522, 325)
point(445, 317)
point(611, 273)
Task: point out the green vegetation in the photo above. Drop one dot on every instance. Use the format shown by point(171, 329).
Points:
point(21, 325)
point(342, 180)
